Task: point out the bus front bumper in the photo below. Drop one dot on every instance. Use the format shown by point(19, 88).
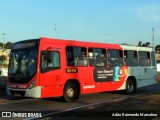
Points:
point(34, 92)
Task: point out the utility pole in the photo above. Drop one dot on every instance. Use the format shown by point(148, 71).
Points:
point(55, 28)
point(153, 38)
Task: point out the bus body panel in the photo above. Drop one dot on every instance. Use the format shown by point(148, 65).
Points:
point(85, 78)
point(145, 75)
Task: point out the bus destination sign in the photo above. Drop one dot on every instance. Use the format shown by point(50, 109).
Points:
point(22, 45)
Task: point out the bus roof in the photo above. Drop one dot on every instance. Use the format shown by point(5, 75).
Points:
point(79, 43)
point(130, 47)
point(88, 44)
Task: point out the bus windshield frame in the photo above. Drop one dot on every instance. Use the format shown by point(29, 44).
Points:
point(23, 61)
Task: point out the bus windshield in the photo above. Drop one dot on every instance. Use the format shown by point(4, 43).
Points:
point(23, 64)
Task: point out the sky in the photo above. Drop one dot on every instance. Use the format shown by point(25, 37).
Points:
point(106, 21)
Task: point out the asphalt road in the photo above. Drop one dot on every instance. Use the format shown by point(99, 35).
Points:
point(55, 105)
point(3, 80)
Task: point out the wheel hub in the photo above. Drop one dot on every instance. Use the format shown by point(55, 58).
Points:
point(130, 87)
point(70, 92)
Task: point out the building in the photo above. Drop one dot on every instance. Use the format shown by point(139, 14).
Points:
point(6, 53)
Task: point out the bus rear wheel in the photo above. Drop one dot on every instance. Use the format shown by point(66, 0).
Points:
point(70, 93)
point(130, 86)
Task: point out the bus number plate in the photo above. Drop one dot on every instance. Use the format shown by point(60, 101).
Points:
point(16, 94)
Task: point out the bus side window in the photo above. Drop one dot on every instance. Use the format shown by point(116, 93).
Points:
point(97, 57)
point(131, 58)
point(46, 59)
point(115, 58)
point(70, 59)
point(91, 60)
point(144, 58)
point(50, 60)
point(76, 56)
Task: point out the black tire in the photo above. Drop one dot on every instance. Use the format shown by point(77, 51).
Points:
point(71, 92)
point(130, 86)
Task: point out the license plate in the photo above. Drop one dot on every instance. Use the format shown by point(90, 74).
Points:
point(16, 94)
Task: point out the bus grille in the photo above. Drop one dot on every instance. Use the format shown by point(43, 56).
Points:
point(15, 92)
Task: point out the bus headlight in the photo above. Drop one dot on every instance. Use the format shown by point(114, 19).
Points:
point(32, 84)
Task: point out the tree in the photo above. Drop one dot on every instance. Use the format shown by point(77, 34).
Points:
point(2, 59)
point(144, 44)
point(8, 45)
point(157, 48)
point(140, 43)
point(1, 45)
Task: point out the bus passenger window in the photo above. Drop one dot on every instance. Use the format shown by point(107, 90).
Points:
point(144, 58)
point(76, 56)
point(82, 60)
point(131, 58)
point(115, 58)
point(91, 60)
point(97, 57)
point(70, 58)
point(99, 62)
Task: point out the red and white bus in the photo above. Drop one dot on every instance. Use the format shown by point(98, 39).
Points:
point(45, 67)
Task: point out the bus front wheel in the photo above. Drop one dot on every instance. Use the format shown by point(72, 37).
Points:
point(130, 86)
point(70, 93)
